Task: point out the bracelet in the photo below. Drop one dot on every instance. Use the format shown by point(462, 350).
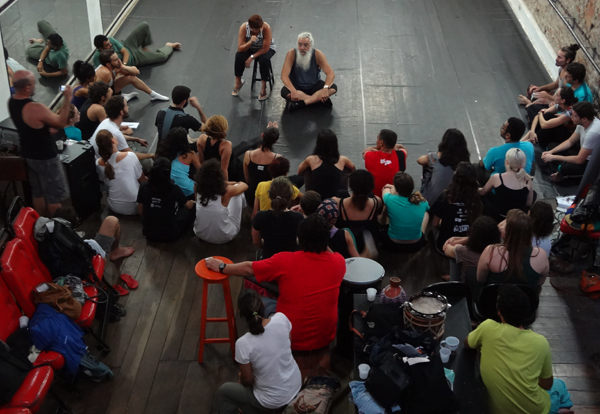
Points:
point(326, 87)
point(251, 56)
point(40, 60)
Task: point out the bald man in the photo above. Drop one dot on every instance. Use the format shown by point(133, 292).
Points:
point(33, 121)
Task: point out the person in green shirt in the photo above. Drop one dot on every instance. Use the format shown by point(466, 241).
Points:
point(516, 364)
point(132, 51)
point(51, 51)
point(575, 76)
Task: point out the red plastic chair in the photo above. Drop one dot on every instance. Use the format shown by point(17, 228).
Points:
point(9, 323)
point(24, 229)
point(15, 411)
point(21, 274)
point(33, 391)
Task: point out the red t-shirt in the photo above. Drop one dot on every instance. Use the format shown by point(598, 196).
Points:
point(383, 167)
point(309, 286)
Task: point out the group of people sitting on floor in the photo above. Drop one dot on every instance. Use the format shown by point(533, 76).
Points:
point(486, 214)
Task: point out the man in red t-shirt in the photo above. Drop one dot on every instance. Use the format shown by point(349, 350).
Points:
point(309, 283)
point(385, 159)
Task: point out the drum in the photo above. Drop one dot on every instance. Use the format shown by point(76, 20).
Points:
point(361, 274)
point(426, 312)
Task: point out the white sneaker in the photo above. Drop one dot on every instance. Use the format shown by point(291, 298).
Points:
point(129, 96)
point(154, 96)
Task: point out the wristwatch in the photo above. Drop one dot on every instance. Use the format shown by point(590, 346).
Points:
point(251, 56)
point(222, 267)
point(326, 87)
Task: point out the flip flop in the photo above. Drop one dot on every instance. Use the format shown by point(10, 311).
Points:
point(129, 281)
point(263, 97)
point(121, 290)
point(236, 92)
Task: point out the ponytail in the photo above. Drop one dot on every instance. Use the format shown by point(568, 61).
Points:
point(252, 310)
point(280, 194)
point(516, 160)
point(105, 150)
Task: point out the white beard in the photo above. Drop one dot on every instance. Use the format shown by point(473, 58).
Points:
point(304, 61)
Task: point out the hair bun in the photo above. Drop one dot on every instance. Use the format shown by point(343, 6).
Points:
point(574, 47)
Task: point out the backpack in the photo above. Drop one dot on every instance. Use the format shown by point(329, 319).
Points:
point(13, 371)
point(65, 253)
point(379, 320)
point(315, 398)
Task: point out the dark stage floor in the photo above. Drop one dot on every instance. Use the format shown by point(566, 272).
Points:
point(417, 67)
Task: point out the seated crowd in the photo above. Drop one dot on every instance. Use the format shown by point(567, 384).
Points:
point(485, 216)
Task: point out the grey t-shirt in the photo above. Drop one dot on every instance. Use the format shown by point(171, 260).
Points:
point(441, 177)
point(589, 138)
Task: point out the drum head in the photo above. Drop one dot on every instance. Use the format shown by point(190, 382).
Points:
point(363, 271)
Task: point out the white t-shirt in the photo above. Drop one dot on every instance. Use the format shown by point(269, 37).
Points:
point(14, 65)
point(277, 378)
point(113, 129)
point(589, 138)
point(123, 189)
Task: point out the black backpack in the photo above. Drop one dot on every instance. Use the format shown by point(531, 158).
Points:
point(64, 252)
point(13, 371)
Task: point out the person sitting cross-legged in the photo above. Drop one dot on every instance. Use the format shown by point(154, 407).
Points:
point(385, 159)
point(301, 75)
point(309, 284)
point(269, 375)
point(516, 363)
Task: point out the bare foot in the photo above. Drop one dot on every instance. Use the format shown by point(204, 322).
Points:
point(121, 252)
point(175, 46)
point(557, 177)
point(34, 40)
point(523, 100)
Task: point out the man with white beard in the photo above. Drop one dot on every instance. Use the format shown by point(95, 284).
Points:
point(301, 75)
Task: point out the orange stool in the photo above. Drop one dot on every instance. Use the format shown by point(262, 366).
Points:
point(210, 277)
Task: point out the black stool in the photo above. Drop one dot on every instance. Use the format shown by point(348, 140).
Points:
point(255, 79)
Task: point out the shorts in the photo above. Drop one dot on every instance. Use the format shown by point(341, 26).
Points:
point(47, 180)
point(105, 243)
point(311, 91)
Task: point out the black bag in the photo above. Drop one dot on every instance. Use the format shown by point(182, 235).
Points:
point(427, 380)
point(588, 207)
point(380, 320)
point(13, 371)
point(423, 341)
point(388, 382)
point(65, 253)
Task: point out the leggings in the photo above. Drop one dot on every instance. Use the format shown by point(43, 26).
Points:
point(551, 135)
point(264, 62)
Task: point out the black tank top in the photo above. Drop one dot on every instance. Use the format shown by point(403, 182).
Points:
point(85, 124)
point(258, 173)
point(337, 242)
point(506, 198)
point(358, 226)
point(326, 179)
point(35, 144)
point(211, 150)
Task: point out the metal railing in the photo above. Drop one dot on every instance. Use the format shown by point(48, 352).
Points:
point(571, 27)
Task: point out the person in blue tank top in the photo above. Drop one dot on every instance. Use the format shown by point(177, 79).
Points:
point(301, 75)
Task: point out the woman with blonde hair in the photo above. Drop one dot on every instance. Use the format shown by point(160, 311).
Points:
point(212, 144)
point(407, 211)
point(509, 190)
point(514, 261)
point(122, 174)
point(275, 230)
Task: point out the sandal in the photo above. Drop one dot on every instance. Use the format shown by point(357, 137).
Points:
point(263, 97)
point(129, 281)
point(121, 290)
point(236, 91)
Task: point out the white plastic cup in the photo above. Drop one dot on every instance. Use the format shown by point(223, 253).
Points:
point(23, 321)
point(451, 343)
point(363, 371)
point(371, 293)
point(60, 145)
point(444, 354)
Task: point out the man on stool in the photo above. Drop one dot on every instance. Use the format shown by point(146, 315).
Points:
point(301, 75)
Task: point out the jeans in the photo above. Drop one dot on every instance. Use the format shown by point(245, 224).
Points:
point(233, 396)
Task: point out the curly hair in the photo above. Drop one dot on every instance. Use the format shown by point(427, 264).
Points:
point(174, 144)
point(513, 304)
point(210, 183)
point(97, 91)
point(313, 234)
point(216, 127)
point(310, 201)
point(453, 148)
point(464, 189)
point(483, 232)
point(404, 185)
point(542, 218)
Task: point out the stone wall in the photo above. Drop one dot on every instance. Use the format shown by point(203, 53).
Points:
point(584, 16)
